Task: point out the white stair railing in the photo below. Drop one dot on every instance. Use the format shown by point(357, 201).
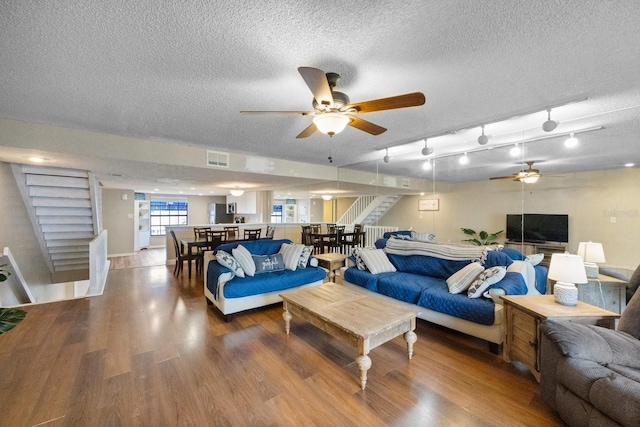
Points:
point(375, 232)
point(98, 264)
point(355, 210)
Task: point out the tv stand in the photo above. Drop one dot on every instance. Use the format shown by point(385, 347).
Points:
point(546, 248)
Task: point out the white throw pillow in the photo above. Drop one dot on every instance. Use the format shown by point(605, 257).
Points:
point(376, 261)
point(244, 258)
point(462, 279)
point(227, 260)
point(356, 254)
point(485, 279)
point(423, 237)
point(291, 255)
point(534, 259)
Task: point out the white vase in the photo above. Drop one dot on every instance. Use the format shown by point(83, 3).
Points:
point(565, 293)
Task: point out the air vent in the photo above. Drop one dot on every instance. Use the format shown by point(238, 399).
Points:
point(217, 159)
point(405, 183)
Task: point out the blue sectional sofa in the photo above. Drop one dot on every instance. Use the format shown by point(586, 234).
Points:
point(421, 280)
point(231, 294)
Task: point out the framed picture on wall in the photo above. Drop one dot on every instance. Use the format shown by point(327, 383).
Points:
point(429, 204)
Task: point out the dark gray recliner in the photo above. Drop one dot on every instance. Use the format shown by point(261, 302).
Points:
point(590, 374)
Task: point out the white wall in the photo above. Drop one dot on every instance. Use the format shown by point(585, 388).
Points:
point(589, 198)
point(16, 231)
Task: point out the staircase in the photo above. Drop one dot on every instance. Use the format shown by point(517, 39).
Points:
point(63, 205)
point(367, 210)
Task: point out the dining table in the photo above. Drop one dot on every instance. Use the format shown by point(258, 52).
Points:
point(324, 239)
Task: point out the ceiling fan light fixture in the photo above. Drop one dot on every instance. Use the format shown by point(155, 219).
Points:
point(331, 123)
point(549, 125)
point(571, 142)
point(327, 197)
point(237, 192)
point(531, 179)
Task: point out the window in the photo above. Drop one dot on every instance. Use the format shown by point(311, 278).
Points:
point(167, 212)
point(276, 213)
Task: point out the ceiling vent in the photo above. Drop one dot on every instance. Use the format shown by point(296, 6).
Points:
point(405, 183)
point(217, 159)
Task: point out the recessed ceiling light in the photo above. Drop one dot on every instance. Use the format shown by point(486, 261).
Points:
point(156, 189)
point(36, 159)
point(193, 188)
point(629, 165)
point(464, 160)
point(427, 165)
point(180, 192)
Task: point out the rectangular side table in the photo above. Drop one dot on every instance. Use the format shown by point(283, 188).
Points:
point(331, 261)
point(525, 313)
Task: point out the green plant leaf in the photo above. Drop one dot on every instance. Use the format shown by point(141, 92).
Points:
point(9, 318)
point(468, 231)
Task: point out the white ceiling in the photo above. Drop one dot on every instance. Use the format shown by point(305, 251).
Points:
point(182, 71)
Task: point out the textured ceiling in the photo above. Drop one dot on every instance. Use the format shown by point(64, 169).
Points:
point(182, 72)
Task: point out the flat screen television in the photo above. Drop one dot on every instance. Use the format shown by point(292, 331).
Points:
point(538, 228)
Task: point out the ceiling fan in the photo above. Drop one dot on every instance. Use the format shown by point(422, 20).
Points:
point(528, 176)
point(333, 110)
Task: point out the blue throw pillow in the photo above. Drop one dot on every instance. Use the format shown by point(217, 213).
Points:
point(514, 254)
point(266, 263)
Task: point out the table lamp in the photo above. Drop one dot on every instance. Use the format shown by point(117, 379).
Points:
point(591, 253)
point(567, 270)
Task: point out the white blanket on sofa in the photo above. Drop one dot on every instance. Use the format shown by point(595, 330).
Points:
point(449, 251)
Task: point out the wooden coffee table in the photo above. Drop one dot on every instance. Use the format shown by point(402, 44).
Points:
point(361, 318)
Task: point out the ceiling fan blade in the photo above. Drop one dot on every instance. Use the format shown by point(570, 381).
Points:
point(365, 126)
point(318, 84)
point(505, 177)
point(401, 101)
point(286, 113)
point(308, 131)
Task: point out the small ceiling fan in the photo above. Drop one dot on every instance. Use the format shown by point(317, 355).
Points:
point(333, 110)
point(528, 176)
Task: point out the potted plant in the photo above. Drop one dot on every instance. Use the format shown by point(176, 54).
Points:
point(9, 317)
point(482, 238)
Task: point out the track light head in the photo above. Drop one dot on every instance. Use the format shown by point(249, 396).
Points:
point(549, 125)
point(483, 139)
point(386, 157)
point(426, 150)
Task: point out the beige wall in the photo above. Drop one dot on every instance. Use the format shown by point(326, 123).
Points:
point(117, 218)
point(16, 231)
point(590, 199)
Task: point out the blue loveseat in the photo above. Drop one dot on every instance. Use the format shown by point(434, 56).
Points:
point(231, 294)
point(421, 280)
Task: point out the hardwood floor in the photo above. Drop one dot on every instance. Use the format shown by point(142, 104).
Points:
point(151, 352)
point(143, 258)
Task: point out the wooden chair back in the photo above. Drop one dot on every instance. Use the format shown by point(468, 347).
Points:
point(252, 234)
point(233, 232)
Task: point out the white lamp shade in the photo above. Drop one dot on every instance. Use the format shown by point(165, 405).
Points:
point(591, 251)
point(331, 123)
point(567, 268)
point(532, 179)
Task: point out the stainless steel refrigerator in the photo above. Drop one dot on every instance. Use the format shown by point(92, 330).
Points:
point(218, 214)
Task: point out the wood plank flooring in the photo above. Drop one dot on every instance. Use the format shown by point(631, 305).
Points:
point(150, 352)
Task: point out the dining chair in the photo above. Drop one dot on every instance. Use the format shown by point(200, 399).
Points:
point(316, 228)
point(252, 234)
point(215, 238)
point(201, 232)
point(331, 228)
point(354, 239)
point(336, 242)
point(233, 232)
point(181, 256)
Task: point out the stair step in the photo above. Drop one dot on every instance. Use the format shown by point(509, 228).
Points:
point(70, 256)
point(65, 220)
point(71, 267)
point(57, 181)
point(66, 228)
point(55, 202)
point(63, 211)
point(67, 236)
point(68, 249)
point(64, 243)
point(72, 193)
point(44, 170)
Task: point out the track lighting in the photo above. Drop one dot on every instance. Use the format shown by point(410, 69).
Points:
point(426, 150)
point(549, 125)
point(483, 139)
point(464, 160)
point(571, 142)
point(386, 157)
point(515, 151)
